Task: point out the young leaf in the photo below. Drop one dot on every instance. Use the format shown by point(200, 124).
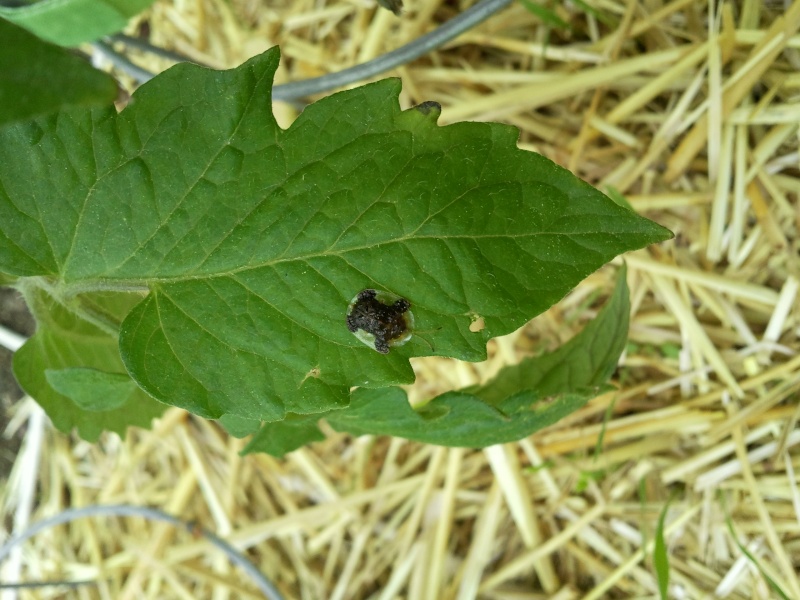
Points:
point(660, 555)
point(545, 15)
point(91, 389)
point(279, 438)
point(520, 400)
point(37, 77)
point(68, 347)
point(779, 591)
point(71, 22)
point(253, 240)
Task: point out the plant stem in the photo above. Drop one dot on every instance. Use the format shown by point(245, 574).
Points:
point(69, 300)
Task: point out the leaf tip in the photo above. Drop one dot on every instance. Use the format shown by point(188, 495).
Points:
point(662, 233)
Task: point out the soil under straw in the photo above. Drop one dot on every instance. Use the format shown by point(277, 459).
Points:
point(694, 118)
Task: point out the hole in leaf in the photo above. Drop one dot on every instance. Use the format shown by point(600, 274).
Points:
point(314, 372)
point(478, 324)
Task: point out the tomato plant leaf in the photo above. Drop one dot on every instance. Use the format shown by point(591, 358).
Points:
point(37, 77)
point(239, 426)
point(73, 370)
point(520, 400)
point(584, 362)
point(454, 418)
point(71, 22)
point(253, 240)
point(279, 438)
point(92, 389)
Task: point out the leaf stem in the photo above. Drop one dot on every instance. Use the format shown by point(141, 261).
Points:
point(101, 285)
point(68, 297)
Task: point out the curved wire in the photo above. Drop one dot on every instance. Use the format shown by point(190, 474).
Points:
point(404, 54)
point(127, 510)
point(145, 46)
point(300, 89)
point(139, 74)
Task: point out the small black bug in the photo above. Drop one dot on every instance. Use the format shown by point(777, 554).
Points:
point(378, 324)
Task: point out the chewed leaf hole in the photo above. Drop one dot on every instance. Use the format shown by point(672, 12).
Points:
point(312, 373)
point(478, 324)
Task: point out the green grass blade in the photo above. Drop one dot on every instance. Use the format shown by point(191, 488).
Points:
point(772, 583)
point(545, 15)
point(660, 556)
point(598, 447)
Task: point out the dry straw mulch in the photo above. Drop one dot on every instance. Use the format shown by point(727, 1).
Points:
point(692, 113)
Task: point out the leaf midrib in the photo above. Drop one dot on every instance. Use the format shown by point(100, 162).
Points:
point(128, 282)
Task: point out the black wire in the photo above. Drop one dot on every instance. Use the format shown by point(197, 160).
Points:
point(127, 510)
point(404, 54)
point(145, 46)
point(301, 89)
point(139, 74)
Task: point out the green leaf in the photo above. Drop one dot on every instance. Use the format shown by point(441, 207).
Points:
point(69, 347)
point(586, 361)
point(545, 15)
point(453, 419)
point(253, 240)
point(618, 197)
point(600, 16)
point(91, 389)
point(779, 591)
point(276, 439)
point(660, 556)
point(71, 22)
point(38, 77)
point(239, 426)
point(670, 350)
point(279, 438)
point(609, 412)
point(520, 400)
